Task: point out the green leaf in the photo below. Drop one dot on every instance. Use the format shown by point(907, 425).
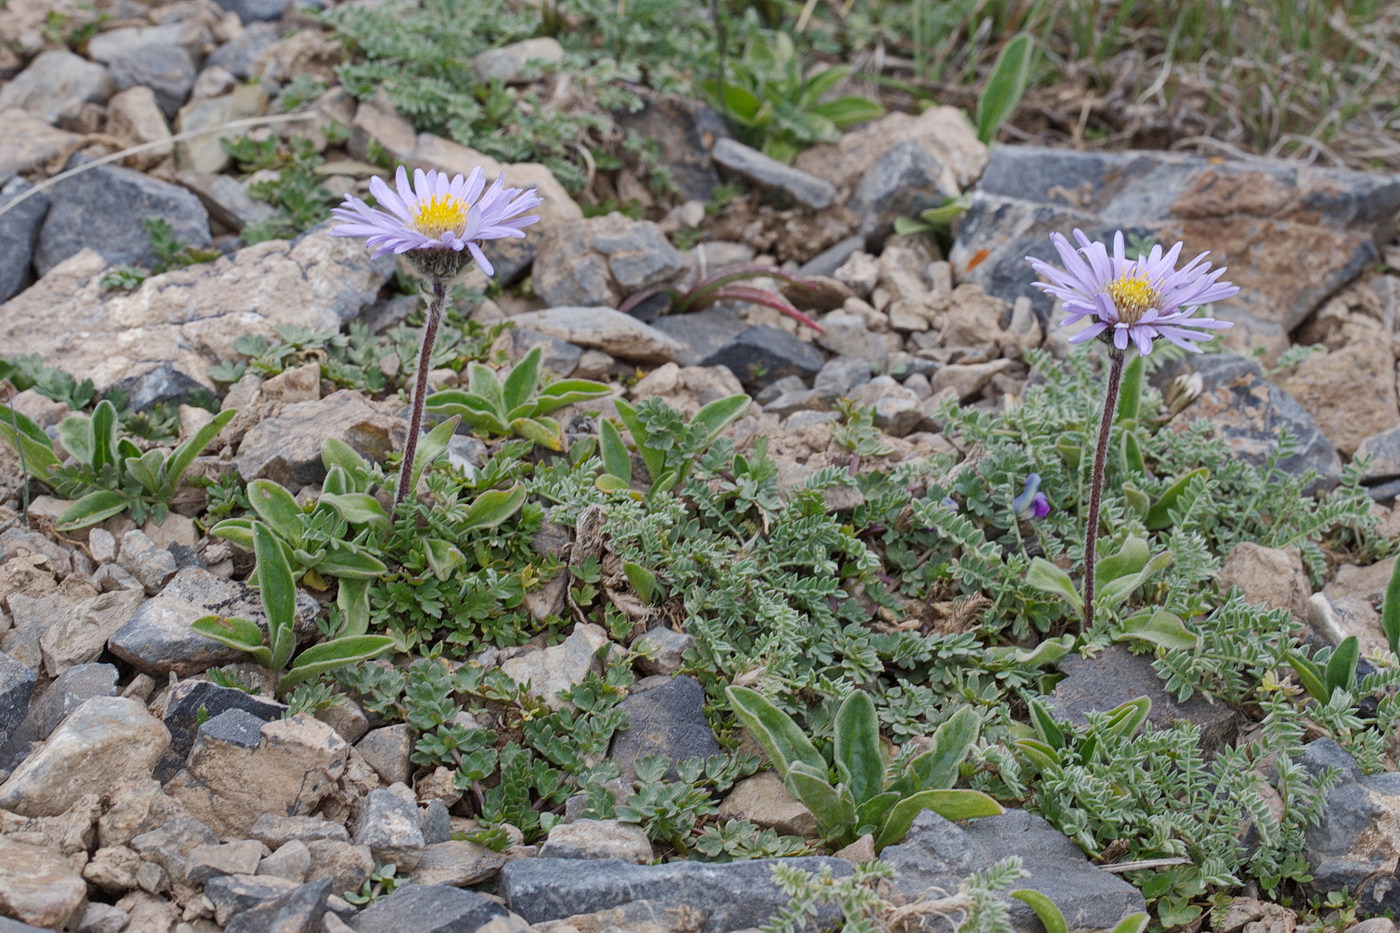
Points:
point(642, 579)
point(1007, 83)
point(568, 392)
point(1051, 651)
point(1117, 590)
point(1051, 917)
point(443, 557)
point(342, 559)
point(607, 482)
point(337, 453)
point(473, 409)
point(1130, 390)
point(937, 768)
point(430, 447)
point(1137, 499)
point(834, 809)
point(820, 83)
point(1159, 516)
point(952, 805)
point(236, 633)
point(359, 508)
point(91, 509)
point(908, 226)
point(181, 457)
point(1125, 719)
point(846, 112)
point(330, 655)
point(719, 414)
point(1310, 676)
point(1041, 754)
point(1390, 610)
point(543, 431)
point(1133, 923)
point(278, 510)
point(858, 756)
point(145, 469)
point(1045, 725)
point(524, 377)
point(1341, 667)
point(873, 812)
point(102, 434)
point(75, 434)
point(655, 460)
point(1047, 578)
point(279, 594)
point(1158, 627)
point(493, 507)
point(1126, 561)
point(774, 731)
point(1130, 453)
point(616, 460)
point(237, 531)
point(483, 383)
point(29, 440)
point(352, 598)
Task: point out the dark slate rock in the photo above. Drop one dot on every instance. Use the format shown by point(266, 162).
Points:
point(72, 689)
point(1291, 235)
point(1115, 675)
point(760, 354)
point(666, 720)
point(833, 257)
point(254, 12)
point(766, 172)
point(428, 909)
point(300, 909)
point(841, 375)
point(164, 383)
point(683, 129)
point(240, 56)
point(233, 727)
point(1352, 846)
point(558, 356)
point(702, 333)
point(907, 179)
point(19, 234)
point(1249, 412)
point(167, 70)
point(939, 854)
point(734, 896)
point(1383, 452)
point(106, 208)
point(16, 687)
point(435, 823)
point(195, 702)
point(235, 895)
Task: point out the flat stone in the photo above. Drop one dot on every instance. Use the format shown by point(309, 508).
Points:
point(388, 824)
point(348, 866)
point(732, 896)
point(803, 187)
point(167, 70)
point(299, 909)
point(240, 56)
point(241, 768)
point(286, 448)
point(764, 801)
point(233, 895)
point(1291, 235)
point(683, 130)
point(557, 356)
point(549, 671)
point(74, 687)
point(1350, 392)
point(152, 565)
point(226, 199)
point(966, 380)
point(276, 830)
point(518, 62)
point(158, 640)
point(112, 44)
point(387, 750)
point(1270, 577)
point(16, 687)
point(203, 153)
point(940, 854)
point(457, 863)
point(665, 649)
point(701, 333)
point(134, 116)
point(229, 858)
point(760, 354)
point(428, 909)
point(105, 741)
point(1350, 846)
point(29, 144)
point(194, 702)
point(38, 886)
point(292, 861)
point(591, 839)
point(667, 720)
point(56, 85)
point(605, 329)
point(19, 233)
point(602, 260)
point(1115, 675)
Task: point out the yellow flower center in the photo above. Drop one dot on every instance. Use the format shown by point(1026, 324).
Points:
point(1132, 295)
point(439, 214)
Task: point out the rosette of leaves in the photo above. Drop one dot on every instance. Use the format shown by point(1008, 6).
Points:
point(108, 475)
point(519, 405)
point(667, 444)
point(348, 645)
point(854, 794)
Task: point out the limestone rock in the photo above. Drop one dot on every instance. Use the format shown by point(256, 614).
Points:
point(606, 329)
point(589, 839)
point(600, 261)
point(551, 670)
point(1350, 392)
point(56, 84)
point(1273, 578)
point(38, 886)
point(457, 863)
point(287, 448)
point(764, 801)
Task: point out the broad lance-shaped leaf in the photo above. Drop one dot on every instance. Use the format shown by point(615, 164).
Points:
point(30, 441)
point(182, 456)
point(430, 448)
point(1158, 627)
point(616, 460)
point(1341, 667)
point(1310, 676)
point(833, 807)
point(241, 634)
point(1133, 923)
point(1159, 515)
point(1004, 88)
point(1126, 718)
point(858, 758)
point(1130, 558)
point(493, 507)
point(342, 559)
point(102, 433)
point(91, 509)
point(523, 379)
point(1047, 578)
point(278, 510)
point(568, 392)
point(655, 460)
point(473, 409)
point(542, 430)
point(952, 805)
point(1045, 725)
point(279, 594)
point(330, 655)
point(937, 768)
point(1390, 610)
point(1051, 917)
point(641, 579)
point(482, 381)
point(774, 731)
point(359, 508)
point(717, 415)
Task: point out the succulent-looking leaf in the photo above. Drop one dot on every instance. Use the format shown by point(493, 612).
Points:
point(1045, 725)
point(102, 434)
point(279, 594)
point(1310, 676)
point(278, 510)
point(91, 509)
point(858, 747)
point(1126, 718)
point(641, 579)
point(343, 559)
point(1133, 923)
point(952, 805)
point(1390, 610)
point(431, 447)
point(543, 431)
point(775, 731)
point(1051, 917)
point(1130, 391)
point(359, 508)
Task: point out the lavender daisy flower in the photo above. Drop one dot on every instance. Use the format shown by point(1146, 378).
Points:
point(436, 218)
point(438, 225)
point(1133, 301)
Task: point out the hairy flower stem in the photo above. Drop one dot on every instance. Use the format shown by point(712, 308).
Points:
point(1091, 529)
point(420, 390)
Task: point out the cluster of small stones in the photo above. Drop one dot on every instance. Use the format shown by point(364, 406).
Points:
point(138, 795)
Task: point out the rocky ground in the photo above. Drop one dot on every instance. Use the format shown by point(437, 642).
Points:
point(140, 795)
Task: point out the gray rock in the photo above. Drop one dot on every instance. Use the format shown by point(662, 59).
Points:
point(226, 199)
point(388, 824)
point(428, 909)
point(387, 750)
point(458, 863)
point(666, 720)
point(19, 234)
point(72, 689)
point(602, 260)
point(682, 130)
point(519, 62)
point(1383, 451)
point(16, 687)
point(593, 839)
point(164, 383)
point(205, 118)
point(937, 853)
point(167, 70)
point(732, 896)
point(76, 636)
point(229, 858)
point(240, 57)
point(37, 886)
point(257, 12)
point(549, 671)
point(666, 648)
point(701, 334)
point(1249, 411)
point(275, 830)
point(234, 895)
point(558, 356)
point(436, 823)
point(464, 452)
point(1285, 257)
point(56, 85)
point(106, 208)
point(292, 861)
point(146, 561)
point(776, 390)
point(111, 44)
point(29, 143)
point(833, 257)
point(1115, 675)
point(1349, 847)
point(605, 329)
point(287, 448)
point(158, 640)
point(299, 909)
point(760, 354)
point(194, 702)
point(804, 188)
point(842, 375)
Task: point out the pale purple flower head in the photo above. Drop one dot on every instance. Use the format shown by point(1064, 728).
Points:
point(1133, 301)
point(436, 218)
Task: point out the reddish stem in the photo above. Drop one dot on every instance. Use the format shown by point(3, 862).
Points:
point(420, 391)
